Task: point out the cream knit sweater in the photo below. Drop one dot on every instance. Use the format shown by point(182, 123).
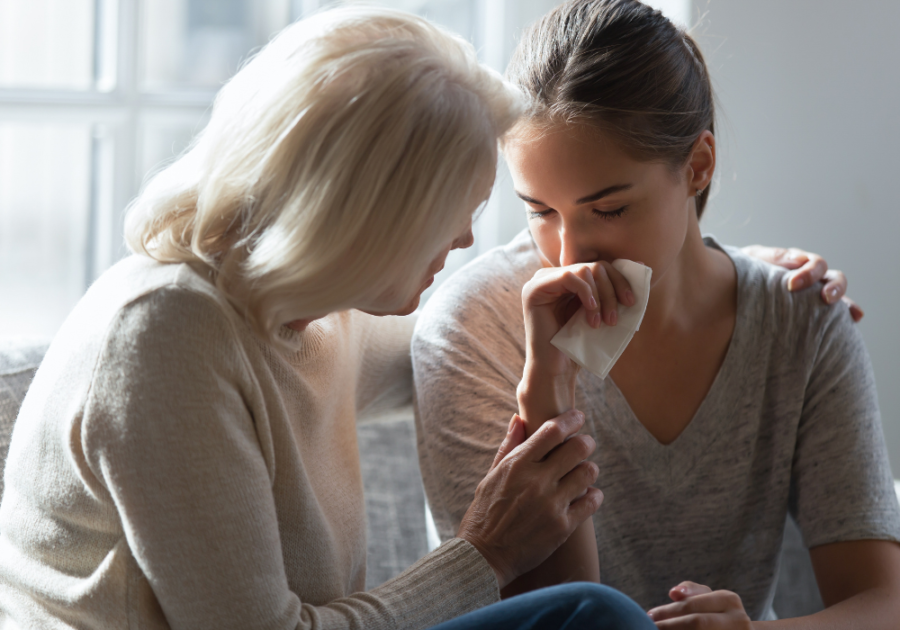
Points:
point(170, 470)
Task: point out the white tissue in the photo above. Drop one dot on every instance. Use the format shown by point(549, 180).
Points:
point(598, 349)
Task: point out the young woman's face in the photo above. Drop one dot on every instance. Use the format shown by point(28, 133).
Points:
point(587, 200)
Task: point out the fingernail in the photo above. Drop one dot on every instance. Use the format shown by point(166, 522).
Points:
point(629, 298)
point(797, 282)
point(613, 318)
point(592, 303)
point(832, 294)
point(598, 319)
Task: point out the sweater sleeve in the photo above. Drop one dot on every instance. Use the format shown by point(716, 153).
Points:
point(168, 433)
point(841, 487)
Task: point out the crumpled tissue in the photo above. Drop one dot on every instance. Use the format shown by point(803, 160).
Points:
point(598, 349)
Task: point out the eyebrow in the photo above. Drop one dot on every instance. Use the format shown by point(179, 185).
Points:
point(592, 197)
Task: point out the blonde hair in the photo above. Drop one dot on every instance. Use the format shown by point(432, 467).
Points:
point(335, 166)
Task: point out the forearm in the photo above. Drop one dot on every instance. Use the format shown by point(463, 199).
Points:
point(543, 396)
point(575, 561)
point(873, 609)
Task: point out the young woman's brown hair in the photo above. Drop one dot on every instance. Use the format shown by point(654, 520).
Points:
point(624, 67)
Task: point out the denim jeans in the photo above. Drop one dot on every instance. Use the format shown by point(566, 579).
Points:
point(565, 607)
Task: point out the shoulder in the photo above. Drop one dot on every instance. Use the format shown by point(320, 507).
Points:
point(798, 320)
point(142, 315)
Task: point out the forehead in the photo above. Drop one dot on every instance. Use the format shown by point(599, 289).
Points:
point(576, 159)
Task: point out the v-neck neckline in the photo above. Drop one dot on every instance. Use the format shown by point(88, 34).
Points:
point(679, 457)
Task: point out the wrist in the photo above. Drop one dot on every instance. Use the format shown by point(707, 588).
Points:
point(542, 396)
point(502, 577)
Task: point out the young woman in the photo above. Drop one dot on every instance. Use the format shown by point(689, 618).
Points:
point(735, 404)
point(186, 456)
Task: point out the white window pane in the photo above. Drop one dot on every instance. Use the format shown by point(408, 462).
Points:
point(198, 44)
point(459, 16)
point(44, 217)
point(164, 138)
point(47, 44)
point(679, 11)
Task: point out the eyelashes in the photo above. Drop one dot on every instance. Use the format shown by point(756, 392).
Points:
point(614, 214)
point(606, 216)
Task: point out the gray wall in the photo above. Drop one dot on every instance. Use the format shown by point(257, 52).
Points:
point(809, 132)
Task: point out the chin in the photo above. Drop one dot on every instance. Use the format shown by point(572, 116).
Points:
point(410, 307)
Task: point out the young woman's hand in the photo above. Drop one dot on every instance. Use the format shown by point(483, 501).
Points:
point(698, 607)
point(553, 296)
point(549, 300)
point(809, 269)
point(538, 491)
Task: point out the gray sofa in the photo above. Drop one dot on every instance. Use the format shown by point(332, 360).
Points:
point(395, 500)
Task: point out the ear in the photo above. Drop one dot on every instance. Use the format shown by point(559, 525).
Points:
point(702, 162)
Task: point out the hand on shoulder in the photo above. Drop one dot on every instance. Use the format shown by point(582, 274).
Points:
point(808, 269)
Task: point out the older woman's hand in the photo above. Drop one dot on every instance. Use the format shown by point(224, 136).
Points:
point(808, 269)
point(536, 493)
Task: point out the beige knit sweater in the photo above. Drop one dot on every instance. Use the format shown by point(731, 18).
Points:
point(170, 470)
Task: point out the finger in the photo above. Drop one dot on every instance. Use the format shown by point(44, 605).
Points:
point(515, 435)
point(780, 256)
point(584, 507)
point(591, 313)
point(575, 482)
point(835, 286)
point(694, 622)
point(855, 311)
point(553, 433)
point(607, 293)
point(573, 283)
point(688, 589)
point(569, 454)
point(620, 284)
point(714, 602)
point(808, 274)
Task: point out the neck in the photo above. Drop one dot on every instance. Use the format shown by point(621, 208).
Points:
point(300, 324)
point(684, 289)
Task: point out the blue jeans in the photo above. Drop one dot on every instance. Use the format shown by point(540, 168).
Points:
point(564, 607)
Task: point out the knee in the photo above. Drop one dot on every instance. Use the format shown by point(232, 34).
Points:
point(606, 607)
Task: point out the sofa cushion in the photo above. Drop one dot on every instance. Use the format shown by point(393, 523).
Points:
point(19, 359)
point(395, 498)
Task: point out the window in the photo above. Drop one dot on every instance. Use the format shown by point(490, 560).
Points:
point(96, 94)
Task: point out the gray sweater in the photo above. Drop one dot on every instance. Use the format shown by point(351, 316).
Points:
point(790, 423)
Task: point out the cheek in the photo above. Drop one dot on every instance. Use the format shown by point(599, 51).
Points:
point(664, 238)
point(547, 241)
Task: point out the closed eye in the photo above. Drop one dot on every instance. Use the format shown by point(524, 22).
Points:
point(534, 214)
point(610, 214)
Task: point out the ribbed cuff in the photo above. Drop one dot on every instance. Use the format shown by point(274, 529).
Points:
point(450, 581)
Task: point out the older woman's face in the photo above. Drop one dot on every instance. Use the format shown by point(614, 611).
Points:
point(462, 241)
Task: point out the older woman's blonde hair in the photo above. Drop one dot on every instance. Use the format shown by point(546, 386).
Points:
point(336, 165)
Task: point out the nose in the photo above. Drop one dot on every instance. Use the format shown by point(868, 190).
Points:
point(571, 248)
point(465, 241)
